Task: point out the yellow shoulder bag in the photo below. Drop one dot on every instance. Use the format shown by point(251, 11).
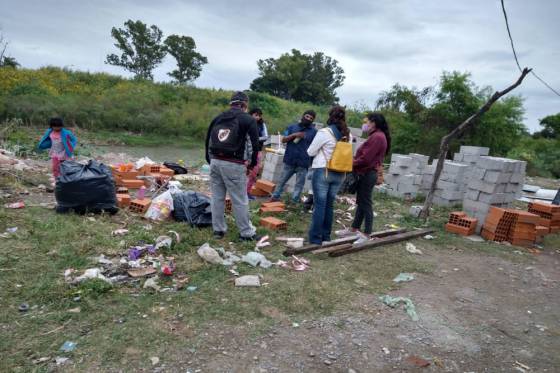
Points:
point(342, 158)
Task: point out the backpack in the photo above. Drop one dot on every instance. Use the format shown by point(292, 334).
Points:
point(225, 138)
point(342, 158)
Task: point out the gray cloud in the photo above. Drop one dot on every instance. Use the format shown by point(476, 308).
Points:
point(378, 43)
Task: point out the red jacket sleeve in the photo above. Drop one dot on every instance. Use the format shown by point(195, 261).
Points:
point(369, 152)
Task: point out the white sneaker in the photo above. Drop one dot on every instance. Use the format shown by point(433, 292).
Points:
point(346, 232)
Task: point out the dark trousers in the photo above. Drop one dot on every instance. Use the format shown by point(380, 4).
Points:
point(364, 209)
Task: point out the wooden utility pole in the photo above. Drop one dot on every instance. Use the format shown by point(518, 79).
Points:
point(469, 122)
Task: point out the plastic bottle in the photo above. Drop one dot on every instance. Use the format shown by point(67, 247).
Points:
point(141, 192)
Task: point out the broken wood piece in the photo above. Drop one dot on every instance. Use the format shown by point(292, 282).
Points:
point(313, 247)
point(382, 241)
point(332, 248)
point(141, 272)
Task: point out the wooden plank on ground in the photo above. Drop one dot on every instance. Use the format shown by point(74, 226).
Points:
point(340, 241)
point(332, 248)
point(381, 242)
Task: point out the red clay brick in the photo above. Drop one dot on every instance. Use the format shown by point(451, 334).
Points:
point(273, 204)
point(265, 185)
point(123, 200)
point(272, 209)
point(273, 223)
point(463, 231)
point(131, 184)
point(258, 192)
point(140, 206)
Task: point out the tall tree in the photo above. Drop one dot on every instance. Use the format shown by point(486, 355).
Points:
point(5, 60)
point(189, 61)
point(141, 47)
point(301, 77)
point(551, 127)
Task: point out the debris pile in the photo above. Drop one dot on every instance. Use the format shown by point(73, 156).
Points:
point(514, 226)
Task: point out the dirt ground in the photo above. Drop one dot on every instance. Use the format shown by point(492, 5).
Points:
point(477, 314)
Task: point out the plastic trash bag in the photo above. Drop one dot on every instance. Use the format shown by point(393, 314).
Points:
point(85, 188)
point(142, 162)
point(256, 259)
point(209, 254)
point(193, 208)
point(161, 207)
point(394, 302)
point(177, 168)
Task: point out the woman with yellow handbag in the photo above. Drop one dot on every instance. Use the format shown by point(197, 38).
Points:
point(332, 152)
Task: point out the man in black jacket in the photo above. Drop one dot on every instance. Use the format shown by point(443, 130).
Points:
point(225, 151)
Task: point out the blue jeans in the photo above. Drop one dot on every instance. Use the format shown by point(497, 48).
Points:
point(325, 186)
point(287, 172)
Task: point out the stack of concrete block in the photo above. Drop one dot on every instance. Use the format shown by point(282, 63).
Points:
point(493, 181)
point(272, 171)
point(450, 188)
point(470, 154)
point(404, 177)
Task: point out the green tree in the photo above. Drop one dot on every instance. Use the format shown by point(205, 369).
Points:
point(9, 62)
point(551, 128)
point(189, 61)
point(301, 77)
point(141, 47)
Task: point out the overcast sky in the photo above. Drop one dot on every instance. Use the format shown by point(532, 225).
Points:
point(378, 43)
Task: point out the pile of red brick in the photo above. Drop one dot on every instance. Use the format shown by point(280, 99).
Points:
point(273, 223)
point(126, 176)
point(262, 188)
point(520, 228)
point(272, 207)
point(460, 223)
point(549, 215)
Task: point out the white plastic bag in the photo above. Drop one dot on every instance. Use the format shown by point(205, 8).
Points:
point(161, 207)
point(142, 162)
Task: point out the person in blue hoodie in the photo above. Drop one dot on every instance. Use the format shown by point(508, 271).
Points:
point(60, 142)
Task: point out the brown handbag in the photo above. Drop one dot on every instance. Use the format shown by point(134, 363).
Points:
point(380, 179)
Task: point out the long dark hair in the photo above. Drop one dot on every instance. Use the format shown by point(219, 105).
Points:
point(56, 122)
point(381, 125)
point(337, 117)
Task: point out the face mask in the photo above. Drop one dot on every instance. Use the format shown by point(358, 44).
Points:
point(306, 122)
point(365, 127)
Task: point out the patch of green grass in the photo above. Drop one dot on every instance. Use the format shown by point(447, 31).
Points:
point(118, 325)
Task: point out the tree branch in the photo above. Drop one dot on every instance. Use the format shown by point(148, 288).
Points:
point(469, 122)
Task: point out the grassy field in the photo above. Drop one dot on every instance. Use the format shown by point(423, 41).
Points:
point(123, 325)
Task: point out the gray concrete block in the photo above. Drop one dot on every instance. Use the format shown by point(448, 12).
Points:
point(472, 194)
point(492, 198)
point(421, 158)
point(501, 188)
point(478, 150)
point(477, 173)
point(492, 163)
point(471, 158)
point(396, 170)
point(407, 188)
point(517, 178)
point(512, 188)
point(418, 179)
point(497, 177)
point(442, 184)
point(392, 179)
point(458, 157)
point(475, 207)
point(455, 168)
point(438, 201)
point(449, 194)
point(483, 186)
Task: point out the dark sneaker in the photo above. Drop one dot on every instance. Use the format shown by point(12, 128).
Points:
point(219, 235)
point(255, 237)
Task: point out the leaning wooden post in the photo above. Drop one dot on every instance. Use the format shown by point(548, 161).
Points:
point(446, 140)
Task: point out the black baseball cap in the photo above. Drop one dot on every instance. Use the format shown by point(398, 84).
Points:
point(239, 97)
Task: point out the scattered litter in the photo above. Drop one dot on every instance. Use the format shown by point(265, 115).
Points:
point(180, 282)
point(163, 241)
point(293, 242)
point(248, 280)
point(11, 230)
point(385, 350)
point(263, 242)
point(177, 236)
point(75, 310)
point(474, 238)
point(297, 264)
point(412, 249)
point(151, 283)
point(415, 210)
point(191, 289)
point(92, 273)
point(24, 307)
point(101, 259)
point(295, 325)
point(59, 360)
point(119, 232)
point(408, 305)
point(542, 328)
point(15, 205)
point(234, 272)
point(429, 237)
point(141, 272)
point(209, 254)
point(41, 360)
point(154, 360)
point(256, 259)
point(418, 361)
point(169, 268)
point(68, 346)
point(522, 366)
point(148, 227)
point(403, 277)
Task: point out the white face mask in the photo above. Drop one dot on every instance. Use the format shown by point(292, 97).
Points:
point(365, 127)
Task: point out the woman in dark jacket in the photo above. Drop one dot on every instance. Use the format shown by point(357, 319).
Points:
point(366, 161)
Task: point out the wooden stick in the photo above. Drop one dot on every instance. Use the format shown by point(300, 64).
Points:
point(382, 241)
point(313, 247)
point(332, 248)
point(446, 140)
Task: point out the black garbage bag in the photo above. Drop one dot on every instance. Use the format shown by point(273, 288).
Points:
point(177, 168)
point(193, 208)
point(85, 188)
